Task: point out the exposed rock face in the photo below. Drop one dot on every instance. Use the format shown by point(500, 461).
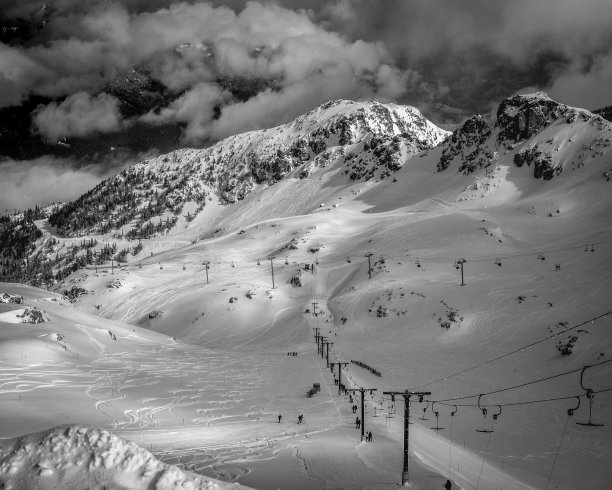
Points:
point(543, 165)
point(522, 116)
point(467, 143)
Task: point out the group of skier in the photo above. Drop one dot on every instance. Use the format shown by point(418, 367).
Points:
point(300, 418)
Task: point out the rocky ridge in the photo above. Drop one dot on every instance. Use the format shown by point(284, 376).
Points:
point(519, 127)
point(370, 139)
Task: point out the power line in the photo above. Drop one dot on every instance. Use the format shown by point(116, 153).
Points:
point(519, 349)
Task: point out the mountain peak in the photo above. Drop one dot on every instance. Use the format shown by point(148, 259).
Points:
point(522, 116)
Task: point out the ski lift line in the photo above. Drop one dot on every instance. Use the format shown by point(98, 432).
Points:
point(527, 402)
point(440, 260)
point(515, 351)
point(539, 380)
point(541, 251)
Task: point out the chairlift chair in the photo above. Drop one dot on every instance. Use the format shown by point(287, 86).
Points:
point(590, 396)
point(437, 414)
point(424, 412)
point(484, 413)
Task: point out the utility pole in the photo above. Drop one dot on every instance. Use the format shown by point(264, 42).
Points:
point(272, 265)
point(362, 391)
point(314, 308)
point(459, 264)
point(323, 340)
point(340, 364)
point(112, 266)
point(368, 255)
point(316, 329)
point(206, 264)
point(406, 394)
point(327, 356)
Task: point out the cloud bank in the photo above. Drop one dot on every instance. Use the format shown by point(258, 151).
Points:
point(187, 47)
point(44, 180)
point(78, 115)
point(48, 179)
point(460, 54)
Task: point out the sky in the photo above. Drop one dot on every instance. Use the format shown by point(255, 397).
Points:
point(449, 58)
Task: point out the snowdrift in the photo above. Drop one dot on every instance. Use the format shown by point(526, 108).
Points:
point(76, 457)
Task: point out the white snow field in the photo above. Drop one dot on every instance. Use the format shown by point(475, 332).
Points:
point(196, 372)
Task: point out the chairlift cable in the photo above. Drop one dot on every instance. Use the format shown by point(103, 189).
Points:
point(539, 380)
point(515, 351)
point(527, 402)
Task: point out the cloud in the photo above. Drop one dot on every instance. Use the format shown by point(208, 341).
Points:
point(195, 108)
point(15, 70)
point(48, 179)
point(585, 86)
point(78, 115)
point(45, 180)
point(482, 50)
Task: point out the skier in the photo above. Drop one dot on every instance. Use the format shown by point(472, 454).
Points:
point(280, 417)
point(448, 485)
point(300, 418)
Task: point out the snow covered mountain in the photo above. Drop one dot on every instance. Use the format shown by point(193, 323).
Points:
point(368, 138)
point(470, 264)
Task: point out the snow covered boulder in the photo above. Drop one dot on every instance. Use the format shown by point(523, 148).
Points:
point(74, 292)
point(32, 315)
point(115, 284)
point(11, 298)
point(296, 280)
point(77, 457)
